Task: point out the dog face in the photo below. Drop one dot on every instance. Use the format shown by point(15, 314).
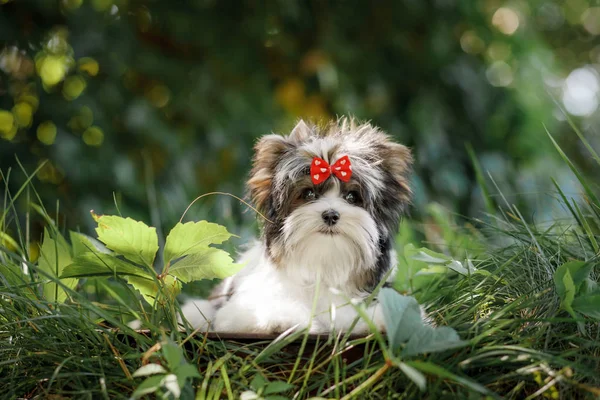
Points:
point(338, 231)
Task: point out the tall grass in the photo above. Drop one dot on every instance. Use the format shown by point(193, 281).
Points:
point(522, 344)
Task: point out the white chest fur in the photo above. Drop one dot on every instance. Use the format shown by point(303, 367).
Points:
point(270, 299)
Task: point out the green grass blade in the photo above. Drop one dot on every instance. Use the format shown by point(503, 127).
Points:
point(588, 191)
point(489, 202)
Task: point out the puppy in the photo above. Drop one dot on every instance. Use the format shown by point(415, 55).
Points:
point(333, 196)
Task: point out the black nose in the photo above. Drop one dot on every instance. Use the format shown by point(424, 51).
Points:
point(330, 217)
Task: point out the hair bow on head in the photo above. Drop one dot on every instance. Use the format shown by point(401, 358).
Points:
point(320, 170)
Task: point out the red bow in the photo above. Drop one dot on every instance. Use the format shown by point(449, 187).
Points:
point(320, 170)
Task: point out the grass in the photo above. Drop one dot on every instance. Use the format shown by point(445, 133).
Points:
point(522, 344)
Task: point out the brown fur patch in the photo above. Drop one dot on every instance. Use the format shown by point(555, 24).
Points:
point(268, 150)
point(398, 161)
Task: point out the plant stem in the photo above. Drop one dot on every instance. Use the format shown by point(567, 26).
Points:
point(369, 382)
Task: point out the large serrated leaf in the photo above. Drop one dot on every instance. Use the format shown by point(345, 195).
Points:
point(208, 263)
point(98, 264)
point(402, 316)
point(81, 243)
point(191, 237)
point(55, 255)
point(132, 239)
point(149, 289)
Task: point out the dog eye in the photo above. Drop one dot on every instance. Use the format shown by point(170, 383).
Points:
point(352, 197)
point(309, 194)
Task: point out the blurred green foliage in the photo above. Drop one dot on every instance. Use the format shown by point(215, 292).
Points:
point(160, 101)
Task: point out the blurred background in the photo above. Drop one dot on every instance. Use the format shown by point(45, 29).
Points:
point(144, 105)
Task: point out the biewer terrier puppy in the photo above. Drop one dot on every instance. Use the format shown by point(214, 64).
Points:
point(333, 197)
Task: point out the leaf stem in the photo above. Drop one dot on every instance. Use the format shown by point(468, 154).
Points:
point(225, 194)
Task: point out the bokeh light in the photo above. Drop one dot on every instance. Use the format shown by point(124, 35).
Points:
point(591, 20)
point(73, 87)
point(7, 128)
point(46, 132)
point(93, 136)
point(580, 91)
point(506, 20)
point(499, 74)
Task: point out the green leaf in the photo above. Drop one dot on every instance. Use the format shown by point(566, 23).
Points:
point(431, 257)
point(569, 293)
point(588, 305)
point(588, 286)
point(55, 255)
point(149, 369)
point(457, 266)
point(173, 354)
point(277, 387)
point(150, 385)
point(402, 316)
point(414, 375)
point(480, 178)
point(132, 239)
point(192, 237)
point(433, 270)
point(258, 382)
point(81, 243)
point(149, 289)
point(97, 264)
point(431, 340)
point(207, 263)
point(186, 371)
point(579, 271)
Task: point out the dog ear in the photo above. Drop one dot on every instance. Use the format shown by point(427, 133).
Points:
point(267, 153)
point(398, 162)
point(301, 132)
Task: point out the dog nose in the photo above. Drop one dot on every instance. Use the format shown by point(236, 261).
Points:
point(330, 217)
